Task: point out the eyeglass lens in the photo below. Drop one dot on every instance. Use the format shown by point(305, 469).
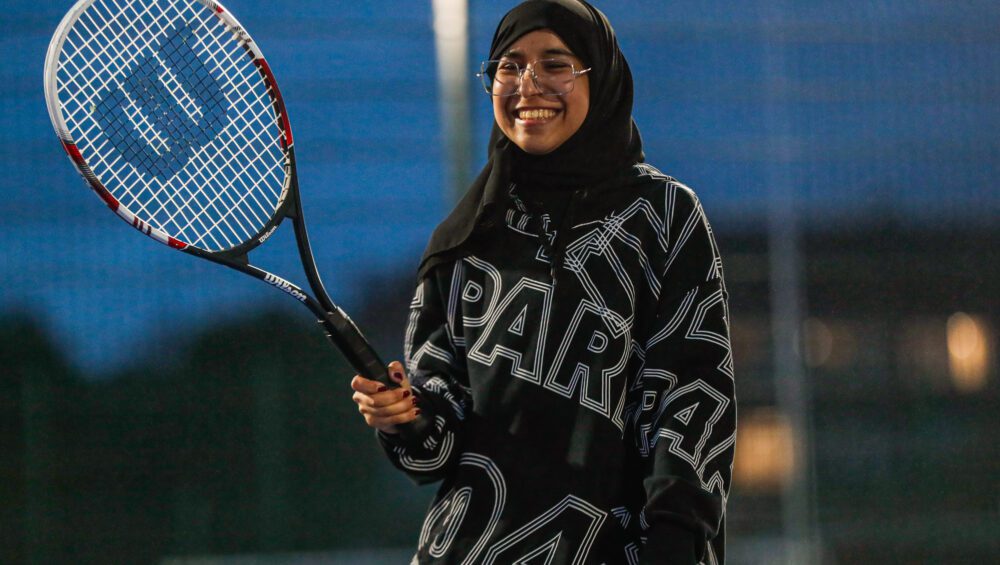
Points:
point(551, 76)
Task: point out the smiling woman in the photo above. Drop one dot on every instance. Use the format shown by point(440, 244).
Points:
point(568, 341)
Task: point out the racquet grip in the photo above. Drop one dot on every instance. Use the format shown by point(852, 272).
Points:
point(343, 332)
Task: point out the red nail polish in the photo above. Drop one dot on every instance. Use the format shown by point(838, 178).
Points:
point(406, 393)
point(382, 389)
point(417, 412)
point(398, 376)
point(416, 401)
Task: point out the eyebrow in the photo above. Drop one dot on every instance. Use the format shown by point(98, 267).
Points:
point(550, 51)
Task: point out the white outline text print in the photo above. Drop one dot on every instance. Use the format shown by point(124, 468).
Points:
point(569, 527)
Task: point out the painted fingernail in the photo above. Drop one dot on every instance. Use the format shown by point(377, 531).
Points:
point(417, 412)
point(416, 401)
point(398, 376)
point(406, 393)
point(382, 389)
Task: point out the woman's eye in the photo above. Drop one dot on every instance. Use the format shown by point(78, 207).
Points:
point(557, 67)
point(505, 68)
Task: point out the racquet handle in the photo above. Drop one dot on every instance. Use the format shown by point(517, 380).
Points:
point(362, 356)
point(343, 332)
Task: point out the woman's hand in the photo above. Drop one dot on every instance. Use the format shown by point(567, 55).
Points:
point(382, 408)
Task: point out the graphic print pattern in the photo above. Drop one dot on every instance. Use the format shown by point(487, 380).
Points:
point(625, 373)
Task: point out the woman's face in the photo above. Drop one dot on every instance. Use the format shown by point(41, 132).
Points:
point(537, 123)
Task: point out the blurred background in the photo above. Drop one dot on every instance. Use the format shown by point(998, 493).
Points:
point(156, 408)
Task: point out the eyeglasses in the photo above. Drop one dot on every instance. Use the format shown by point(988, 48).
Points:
point(551, 76)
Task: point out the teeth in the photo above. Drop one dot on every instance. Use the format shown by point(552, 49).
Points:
point(536, 114)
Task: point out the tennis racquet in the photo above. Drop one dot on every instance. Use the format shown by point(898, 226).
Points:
point(171, 114)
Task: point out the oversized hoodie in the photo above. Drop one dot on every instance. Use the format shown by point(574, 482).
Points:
point(575, 366)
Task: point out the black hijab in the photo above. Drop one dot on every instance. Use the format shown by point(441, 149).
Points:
point(606, 145)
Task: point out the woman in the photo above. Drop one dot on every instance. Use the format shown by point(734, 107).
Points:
point(568, 350)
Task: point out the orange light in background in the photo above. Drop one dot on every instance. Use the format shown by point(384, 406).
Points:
point(968, 352)
point(765, 455)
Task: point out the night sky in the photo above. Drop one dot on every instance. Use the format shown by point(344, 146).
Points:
point(866, 109)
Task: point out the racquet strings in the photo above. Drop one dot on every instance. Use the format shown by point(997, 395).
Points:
point(170, 112)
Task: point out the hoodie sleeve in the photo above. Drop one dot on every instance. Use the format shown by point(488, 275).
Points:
point(686, 427)
point(436, 369)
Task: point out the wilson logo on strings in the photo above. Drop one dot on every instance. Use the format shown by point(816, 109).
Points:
point(165, 108)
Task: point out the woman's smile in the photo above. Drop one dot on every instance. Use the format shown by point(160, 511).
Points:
point(532, 116)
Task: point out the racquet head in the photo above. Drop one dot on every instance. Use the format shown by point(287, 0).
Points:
point(171, 114)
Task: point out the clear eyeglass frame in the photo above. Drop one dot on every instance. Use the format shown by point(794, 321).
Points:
point(543, 86)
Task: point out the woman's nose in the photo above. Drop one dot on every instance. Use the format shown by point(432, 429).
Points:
point(529, 86)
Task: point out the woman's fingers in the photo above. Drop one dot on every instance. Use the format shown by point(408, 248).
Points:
point(386, 418)
point(406, 403)
point(382, 396)
point(384, 408)
point(367, 386)
point(397, 374)
point(388, 423)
